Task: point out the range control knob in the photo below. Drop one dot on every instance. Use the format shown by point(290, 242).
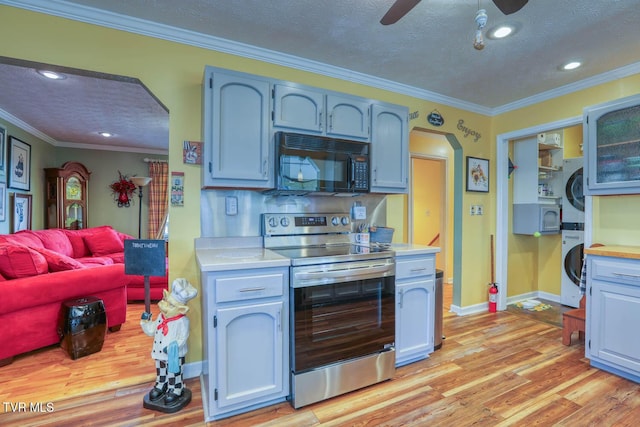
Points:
point(335, 220)
point(284, 221)
point(273, 221)
point(345, 220)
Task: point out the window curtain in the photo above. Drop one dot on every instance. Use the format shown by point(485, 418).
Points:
point(158, 199)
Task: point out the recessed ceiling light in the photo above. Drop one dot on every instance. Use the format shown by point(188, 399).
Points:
point(106, 134)
point(502, 32)
point(571, 65)
point(52, 75)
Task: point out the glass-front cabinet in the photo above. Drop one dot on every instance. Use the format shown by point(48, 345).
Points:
point(612, 152)
point(67, 196)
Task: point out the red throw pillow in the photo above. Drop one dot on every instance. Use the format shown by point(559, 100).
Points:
point(59, 262)
point(104, 241)
point(21, 261)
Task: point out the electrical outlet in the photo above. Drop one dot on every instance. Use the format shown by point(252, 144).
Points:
point(231, 205)
point(479, 210)
point(473, 210)
point(360, 212)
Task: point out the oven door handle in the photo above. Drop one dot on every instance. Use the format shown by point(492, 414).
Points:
point(343, 272)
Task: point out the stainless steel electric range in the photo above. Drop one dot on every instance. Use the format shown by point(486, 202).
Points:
point(342, 310)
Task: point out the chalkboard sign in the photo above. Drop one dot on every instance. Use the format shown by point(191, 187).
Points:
point(144, 257)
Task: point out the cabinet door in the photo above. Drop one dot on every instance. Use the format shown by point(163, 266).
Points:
point(613, 334)
point(415, 311)
point(298, 108)
point(249, 354)
point(347, 117)
point(389, 149)
point(237, 132)
point(612, 147)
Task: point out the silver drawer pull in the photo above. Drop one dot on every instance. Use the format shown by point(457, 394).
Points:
point(252, 289)
point(630, 276)
point(417, 270)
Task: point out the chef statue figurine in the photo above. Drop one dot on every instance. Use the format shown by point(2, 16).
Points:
point(170, 331)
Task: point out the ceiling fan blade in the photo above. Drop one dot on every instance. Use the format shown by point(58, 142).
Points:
point(510, 6)
point(397, 11)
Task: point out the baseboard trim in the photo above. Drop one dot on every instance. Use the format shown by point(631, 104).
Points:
point(484, 307)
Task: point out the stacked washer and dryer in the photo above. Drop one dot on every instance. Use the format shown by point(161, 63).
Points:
point(572, 231)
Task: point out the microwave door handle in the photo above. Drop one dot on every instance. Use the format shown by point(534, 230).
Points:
point(352, 173)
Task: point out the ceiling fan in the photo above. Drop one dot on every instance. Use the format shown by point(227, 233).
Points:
point(402, 7)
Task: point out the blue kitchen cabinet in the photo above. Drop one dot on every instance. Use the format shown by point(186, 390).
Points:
point(415, 307)
point(311, 110)
point(245, 340)
point(237, 148)
point(389, 148)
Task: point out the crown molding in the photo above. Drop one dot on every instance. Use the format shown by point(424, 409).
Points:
point(130, 24)
point(10, 118)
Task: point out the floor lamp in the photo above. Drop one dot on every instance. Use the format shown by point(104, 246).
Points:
point(140, 181)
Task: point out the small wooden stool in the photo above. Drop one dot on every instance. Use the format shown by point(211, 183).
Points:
point(573, 320)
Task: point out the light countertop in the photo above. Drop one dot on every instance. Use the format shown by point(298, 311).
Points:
point(222, 259)
point(405, 249)
point(632, 252)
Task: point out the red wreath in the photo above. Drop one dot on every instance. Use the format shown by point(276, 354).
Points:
point(122, 190)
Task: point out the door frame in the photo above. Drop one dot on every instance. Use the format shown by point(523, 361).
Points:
point(503, 200)
point(444, 224)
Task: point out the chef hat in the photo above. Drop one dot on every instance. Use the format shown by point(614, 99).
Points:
point(182, 290)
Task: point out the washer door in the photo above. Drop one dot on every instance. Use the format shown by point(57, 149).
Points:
point(573, 263)
point(573, 190)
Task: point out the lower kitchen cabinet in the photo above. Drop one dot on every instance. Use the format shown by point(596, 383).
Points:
point(613, 315)
point(415, 307)
point(245, 339)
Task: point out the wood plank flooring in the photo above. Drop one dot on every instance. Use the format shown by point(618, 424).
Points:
point(494, 369)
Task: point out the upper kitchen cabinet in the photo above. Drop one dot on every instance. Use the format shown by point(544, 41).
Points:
point(538, 178)
point(612, 147)
point(389, 148)
point(236, 129)
point(312, 110)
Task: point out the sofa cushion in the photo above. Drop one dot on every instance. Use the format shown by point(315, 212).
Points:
point(76, 238)
point(58, 261)
point(25, 237)
point(92, 261)
point(55, 240)
point(103, 242)
point(20, 261)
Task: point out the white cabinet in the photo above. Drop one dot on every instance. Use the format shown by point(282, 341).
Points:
point(415, 307)
point(538, 178)
point(245, 339)
point(305, 109)
point(389, 148)
point(613, 315)
point(237, 143)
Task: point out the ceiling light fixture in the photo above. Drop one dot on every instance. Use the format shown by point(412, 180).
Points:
point(502, 32)
point(571, 65)
point(481, 21)
point(51, 75)
point(105, 134)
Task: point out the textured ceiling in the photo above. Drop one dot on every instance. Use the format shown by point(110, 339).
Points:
point(428, 52)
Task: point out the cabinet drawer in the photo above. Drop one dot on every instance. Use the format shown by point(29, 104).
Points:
point(415, 267)
point(249, 287)
point(618, 270)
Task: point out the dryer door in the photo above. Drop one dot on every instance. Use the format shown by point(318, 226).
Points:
point(573, 263)
point(573, 190)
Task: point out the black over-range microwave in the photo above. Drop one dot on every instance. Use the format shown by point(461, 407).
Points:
point(311, 163)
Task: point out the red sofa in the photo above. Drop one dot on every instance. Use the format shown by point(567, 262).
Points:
point(41, 269)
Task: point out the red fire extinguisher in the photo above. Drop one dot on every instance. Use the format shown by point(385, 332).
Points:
point(493, 298)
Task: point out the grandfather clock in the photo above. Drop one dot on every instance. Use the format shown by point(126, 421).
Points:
point(67, 196)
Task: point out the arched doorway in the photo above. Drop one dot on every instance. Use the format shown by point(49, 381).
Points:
point(441, 154)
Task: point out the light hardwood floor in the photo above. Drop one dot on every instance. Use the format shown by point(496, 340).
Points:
point(494, 369)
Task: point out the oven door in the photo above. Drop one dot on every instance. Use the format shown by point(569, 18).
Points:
point(336, 322)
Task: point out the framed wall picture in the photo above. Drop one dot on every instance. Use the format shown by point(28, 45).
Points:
point(3, 150)
point(21, 212)
point(477, 174)
point(3, 201)
point(19, 167)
